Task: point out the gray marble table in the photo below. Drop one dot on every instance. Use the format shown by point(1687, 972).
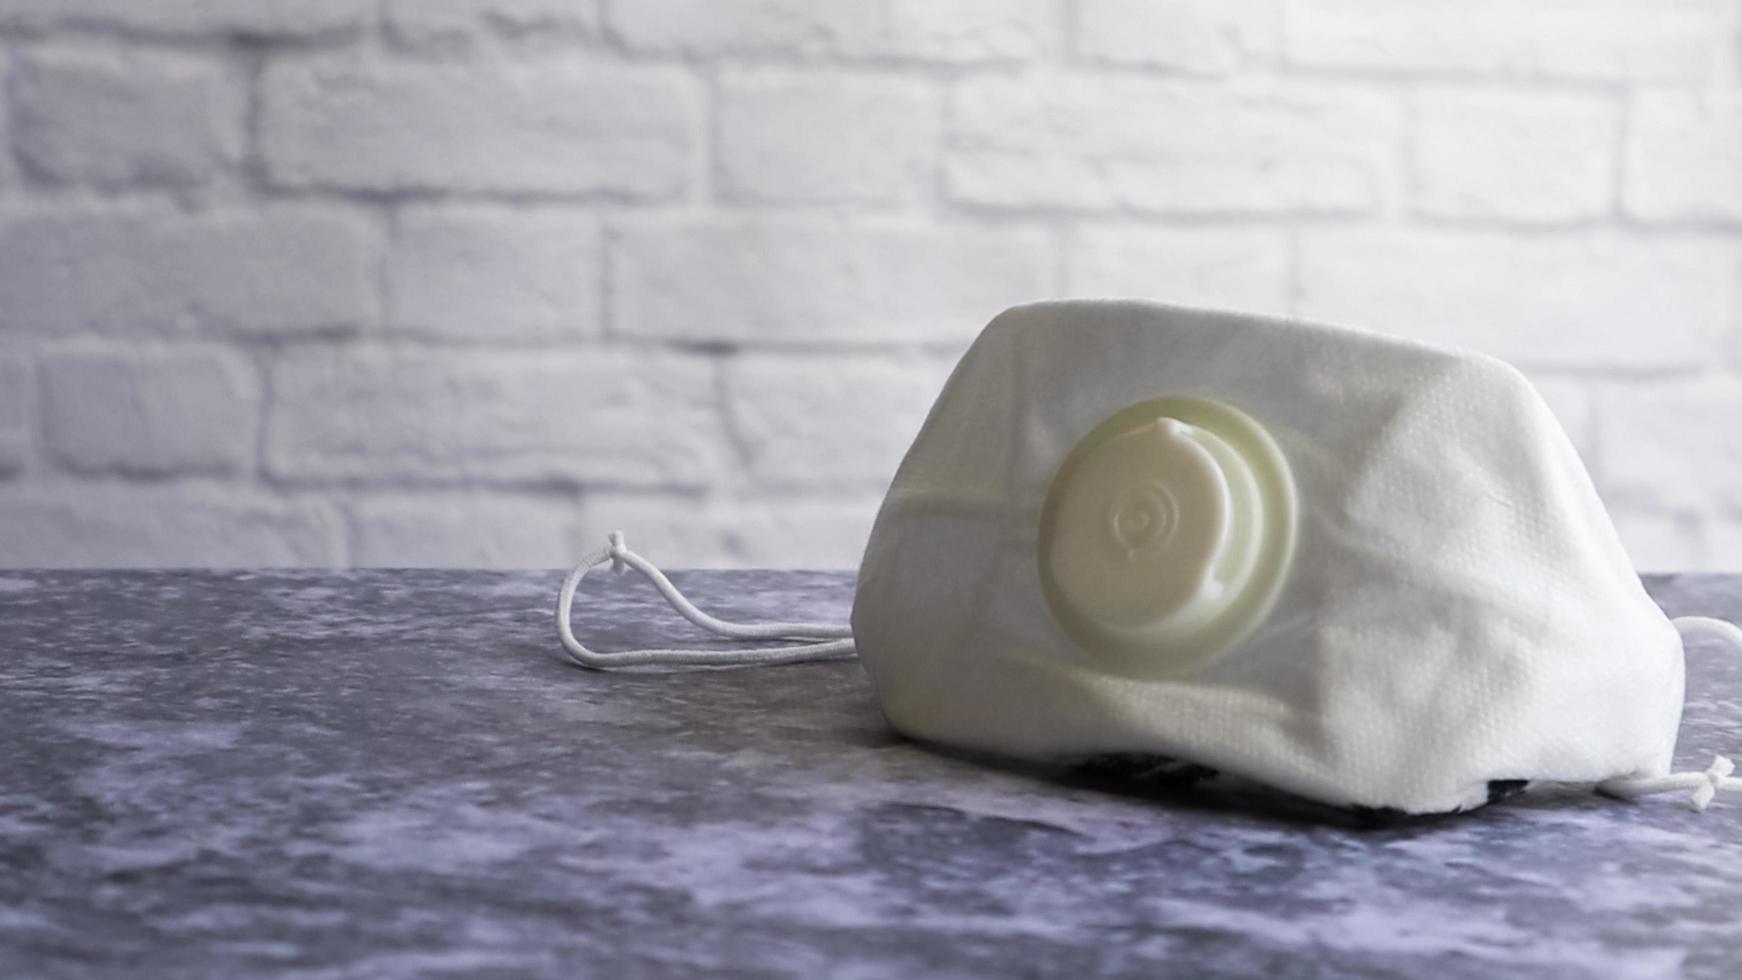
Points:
point(387, 774)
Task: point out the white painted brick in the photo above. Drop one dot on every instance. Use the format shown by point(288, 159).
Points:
point(1659, 40)
point(455, 26)
point(1227, 268)
point(266, 18)
point(1537, 157)
point(819, 420)
point(971, 30)
point(150, 271)
point(1208, 36)
point(538, 127)
point(1573, 404)
point(522, 418)
point(818, 281)
point(1723, 545)
point(149, 411)
point(821, 137)
point(17, 394)
point(1572, 301)
point(465, 531)
point(136, 118)
point(488, 273)
point(1684, 157)
point(1156, 145)
point(1673, 445)
point(131, 526)
point(6, 154)
point(932, 30)
point(748, 26)
point(769, 532)
point(1660, 542)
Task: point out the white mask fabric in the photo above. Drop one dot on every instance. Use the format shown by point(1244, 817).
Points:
point(1362, 570)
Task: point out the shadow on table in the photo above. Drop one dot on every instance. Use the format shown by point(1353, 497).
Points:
point(1186, 786)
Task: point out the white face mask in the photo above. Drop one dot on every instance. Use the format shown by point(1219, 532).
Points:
point(1365, 571)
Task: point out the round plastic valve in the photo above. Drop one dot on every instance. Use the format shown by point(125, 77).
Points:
point(1167, 533)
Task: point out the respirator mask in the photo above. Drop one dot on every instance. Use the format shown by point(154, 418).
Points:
point(1358, 569)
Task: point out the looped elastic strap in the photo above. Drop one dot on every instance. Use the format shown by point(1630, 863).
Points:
point(1704, 785)
point(829, 641)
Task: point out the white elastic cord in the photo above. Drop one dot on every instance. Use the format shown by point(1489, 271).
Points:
point(834, 641)
point(1705, 785)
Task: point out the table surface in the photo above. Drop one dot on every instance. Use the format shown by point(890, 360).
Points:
point(389, 773)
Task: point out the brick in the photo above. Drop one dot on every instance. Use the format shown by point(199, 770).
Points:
point(1684, 157)
point(809, 420)
point(160, 526)
point(465, 531)
point(1206, 36)
point(1671, 40)
point(135, 119)
point(748, 26)
point(17, 394)
point(264, 18)
point(1574, 406)
point(1571, 301)
point(543, 127)
point(6, 175)
point(452, 26)
point(485, 273)
point(675, 531)
point(518, 418)
point(950, 31)
point(1542, 157)
point(1673, 445)
point(1723, 551)
point(964, 31)
point(1661, 542)
point(818, 281)
point(1077, 141)
point(273, 270)
point(149, 411)
point(1226, 268)
point(818, 137)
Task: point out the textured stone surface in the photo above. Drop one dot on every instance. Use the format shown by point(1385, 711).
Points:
point(386, 774)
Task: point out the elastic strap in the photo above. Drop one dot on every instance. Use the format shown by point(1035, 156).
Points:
point(831, 642)
point(1717, 777)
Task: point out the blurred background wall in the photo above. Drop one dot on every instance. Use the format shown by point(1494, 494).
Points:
point(472, 281)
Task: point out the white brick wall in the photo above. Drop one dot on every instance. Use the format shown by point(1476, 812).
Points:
point(469, 282)
point(127, 118)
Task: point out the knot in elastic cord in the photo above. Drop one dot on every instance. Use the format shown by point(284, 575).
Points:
point(1712, 781)
point(827, 641)
point(1703, 786)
